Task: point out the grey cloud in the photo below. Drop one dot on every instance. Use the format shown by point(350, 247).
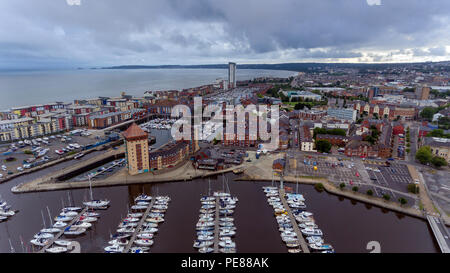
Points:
point(106, 32)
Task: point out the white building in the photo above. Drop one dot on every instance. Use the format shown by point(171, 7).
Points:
point(232, 75)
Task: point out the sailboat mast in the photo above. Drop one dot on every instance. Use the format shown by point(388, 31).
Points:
point(43, 219)
point(12, 248)
point(90, 188)
point(209, 186)
point(50, 216)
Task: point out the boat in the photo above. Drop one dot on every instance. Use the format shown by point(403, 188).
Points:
point(88, 219)
point(155, 219)
point(120, 242)
point(149, 230)
point(97, 204)
point(56, 249)
point(144, 242)
point(130, 220)
point(204, 233)
point(200, 244)
point(227, 250)
point(91, 214)
point(69, 213)
point(226, 224)
point(294, 250)
point(40, 242)
point(311, 232)
point(143, 203)
point(59, 224)
point(126, 229)
point(135, 215)
point(63, 218)
point(147, 224)
point(145, 235)
point(143, 197)
point(64, 243)
point(80, 224)
point(7, 213)
point(205, 237)
point(308, 225)
point(321, 247)
point(50, 230)
point(293, 245)
point(3, 218)
point(227, 219)
point(41, 235)
point(161, 207)
point(207, 198)
point(227, 233)
point(314, 239)
point(127, 224)
point(71, 231)
point(207, 206)
point(139, 249)
point(205, 250)
point(114, 249)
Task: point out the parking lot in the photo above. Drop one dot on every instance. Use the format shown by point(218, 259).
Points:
point(228, 156)
point(22, 155)
point(101, 172)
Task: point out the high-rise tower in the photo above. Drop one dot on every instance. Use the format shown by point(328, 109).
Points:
point(232, 75)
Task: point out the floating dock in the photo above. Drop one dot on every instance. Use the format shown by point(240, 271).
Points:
point(139, 226)
point(300, 238)
point(57, 236)
point(216, 227)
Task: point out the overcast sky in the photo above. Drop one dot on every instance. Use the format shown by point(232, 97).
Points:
point(60, 33)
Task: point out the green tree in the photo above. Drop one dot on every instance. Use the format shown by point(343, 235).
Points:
point(342, 186)
point(402, 200)
point(369, 192)
point(428, 112)
point(319, 187)
point(386, 197)
point(323, 146)
point(355, 188)
point(413, 188)
point(438, 161)
point(424, 154)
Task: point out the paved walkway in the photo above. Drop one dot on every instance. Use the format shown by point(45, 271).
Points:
point(139, 226)
point(300, 238)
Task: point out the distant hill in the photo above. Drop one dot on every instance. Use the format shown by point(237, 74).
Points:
point(300, 67)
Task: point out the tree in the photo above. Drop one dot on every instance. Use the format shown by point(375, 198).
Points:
point(369, 192)
point(319, 187)
point(355, 188)
point(424, 154)
point(428, 112)
point(342, 186)
point(323, 146)
point(413, 188)
point(386, 197)
point(402, 200)
point(438, 161)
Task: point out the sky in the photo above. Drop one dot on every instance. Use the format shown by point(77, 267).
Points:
point(87, 33)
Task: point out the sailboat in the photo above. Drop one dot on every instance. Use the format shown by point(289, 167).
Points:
point(97, 204)
point(50, 229)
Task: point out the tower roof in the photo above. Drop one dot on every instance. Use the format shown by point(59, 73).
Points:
point(134, 131)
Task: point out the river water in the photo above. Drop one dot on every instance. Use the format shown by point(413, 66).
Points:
point(347, 225)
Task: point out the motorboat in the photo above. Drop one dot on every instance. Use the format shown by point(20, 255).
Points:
point(227, 219)
point(127, 229)
point(88, 219)
point(308, 225)
point(143, 197)
point(205, 238)
point(206, 219)
point(205, 250)
point(227, 244)
point(56, 249)
point(226, 211)
point(311, 232)
point(7, 213)
point(148, 224)
point(224, 238)
point(144, 242)
point(221, 194)
point(120, 242)
point(227, 233)
point(142, 203)
point(206, 211)
point(138, 207)
point(71, 231)
point(145, 235)
point(208, 206)
point(130, 219)
point(320, 246)
point(161, 207)
point(80, 224)
point(127, 224)
point(97, 204)
point(207, 198)
point(3, 218)
point(314, 239)
point(155, 219)
point(226, 224)
point(204, 233)
point(163, 198)
point(149, 230)
point(114, 249)
point(135, 215)
point(227, 250)
point(200, 244)
point(139, 249)
point(292, 244)
point(91, 214)
point(294, 250)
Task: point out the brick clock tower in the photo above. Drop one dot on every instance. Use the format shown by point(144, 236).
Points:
point(136, 143)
